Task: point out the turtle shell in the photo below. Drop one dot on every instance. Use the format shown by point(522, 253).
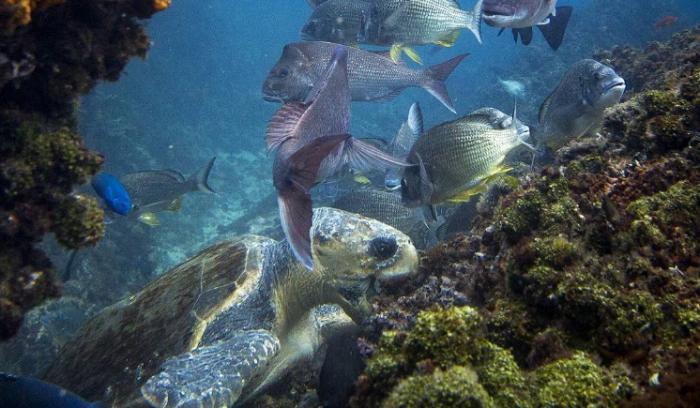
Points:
point(117, 350)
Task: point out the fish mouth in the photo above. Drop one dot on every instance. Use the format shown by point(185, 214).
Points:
point(618, 83)
point(497, 9)
point(273, 98)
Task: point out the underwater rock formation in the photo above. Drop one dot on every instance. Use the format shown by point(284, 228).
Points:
point(51, 52)
point(583, 282)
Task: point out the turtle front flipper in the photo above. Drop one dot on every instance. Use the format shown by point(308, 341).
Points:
point(212, 376)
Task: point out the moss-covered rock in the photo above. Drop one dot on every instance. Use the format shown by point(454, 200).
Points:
point(573, 382)
point(458, 387)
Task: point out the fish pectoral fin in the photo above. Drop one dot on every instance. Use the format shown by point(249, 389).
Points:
point(479, 186)
point(282, 125)
point(175, 205)
point(467, 194)
point(449, 40)
point(394, 19)
point(361, 179)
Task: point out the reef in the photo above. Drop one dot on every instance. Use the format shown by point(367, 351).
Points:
point(51, 53)
point(579, 287)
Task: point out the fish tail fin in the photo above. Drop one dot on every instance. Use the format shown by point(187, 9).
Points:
point(200, 179)
point(472, 20)
point(295, 199)
point(554, 31)
point(436, 76)
point(363, 156)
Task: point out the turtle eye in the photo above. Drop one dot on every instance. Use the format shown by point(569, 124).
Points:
point(383, 247)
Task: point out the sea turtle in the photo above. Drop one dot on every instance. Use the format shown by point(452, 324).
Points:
point(221, 327)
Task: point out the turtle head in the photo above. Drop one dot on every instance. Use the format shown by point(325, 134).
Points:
point(352, 252)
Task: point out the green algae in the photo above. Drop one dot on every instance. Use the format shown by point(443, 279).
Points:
point(456, 387)
point(573, 382)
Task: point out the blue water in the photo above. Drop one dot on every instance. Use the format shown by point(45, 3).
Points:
point(198, 94)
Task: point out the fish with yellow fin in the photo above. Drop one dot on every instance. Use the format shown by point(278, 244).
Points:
point(403, 24)
point(455, 160)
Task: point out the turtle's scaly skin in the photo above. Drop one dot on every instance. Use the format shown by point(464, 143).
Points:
point(127, 342)
point(223, 326)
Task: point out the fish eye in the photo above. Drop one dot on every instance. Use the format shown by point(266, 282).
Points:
point(283, 73)
point(383, 247)
point(597, 76)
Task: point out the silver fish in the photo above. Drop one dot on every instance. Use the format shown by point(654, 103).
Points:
point(337, 21)
point(418, 22)
point(371, 76)
point(522, 15)
point(576, 106)
point(387, 207)
point(158, 190)
point(456, 156)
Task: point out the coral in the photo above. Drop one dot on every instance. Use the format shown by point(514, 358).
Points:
point(78, 222)
point(62, 49)
point(598, 253)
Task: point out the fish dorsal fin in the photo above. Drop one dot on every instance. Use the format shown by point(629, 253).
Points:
point(480, 117)
point(415, 120)
point(283, 124)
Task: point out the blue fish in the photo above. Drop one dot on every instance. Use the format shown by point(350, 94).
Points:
point(26, 392)
point(113, 192)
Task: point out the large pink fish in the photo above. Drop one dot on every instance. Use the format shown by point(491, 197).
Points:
point(312, 142)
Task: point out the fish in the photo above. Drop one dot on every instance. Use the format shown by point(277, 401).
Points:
point(112, 192)
point(513, 87)
point(337, 21)
point(153, 191)
point(402, 24)
point(372, 76)
point(458, 157)
point(387, 207)
point(576, 106)
point(522, 15)
point(311, 142)
point(402, 143)
point(665, 22)
point(27, 392)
